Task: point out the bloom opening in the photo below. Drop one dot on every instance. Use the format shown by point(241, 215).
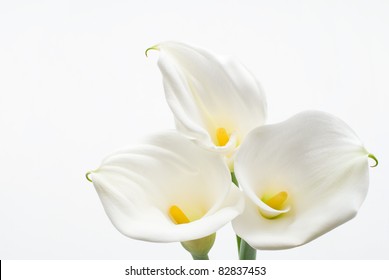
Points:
point(203, 89)
point(276, 201)
point(325, 167)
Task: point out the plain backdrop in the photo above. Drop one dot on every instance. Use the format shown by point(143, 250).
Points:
point(75, 85)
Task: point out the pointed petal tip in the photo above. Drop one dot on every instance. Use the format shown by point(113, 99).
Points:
point(154, 48)
point(373, 158)
point(87, 175)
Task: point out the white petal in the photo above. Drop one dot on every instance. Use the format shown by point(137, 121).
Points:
point(206, 92)
point(322, 165)
point(138, 186)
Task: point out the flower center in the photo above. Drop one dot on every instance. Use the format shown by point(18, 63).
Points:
point(277, 204)
point(222, 136)
point(276, 201)
point(177, 215)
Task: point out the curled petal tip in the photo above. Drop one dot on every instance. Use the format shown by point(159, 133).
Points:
point(155, 48)
point(87, 176)
point(373, 158)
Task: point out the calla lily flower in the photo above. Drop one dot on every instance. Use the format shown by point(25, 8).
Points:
point(168, 190)
point(301, 178)
point(215, 100)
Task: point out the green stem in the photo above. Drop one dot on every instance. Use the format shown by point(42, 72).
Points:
point(233, 179)
point(205, 257)
point(238, 241)
point(247, 252)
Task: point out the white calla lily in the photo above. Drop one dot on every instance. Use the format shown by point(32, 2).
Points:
point(167, 190)
point(302, 178)
point(215, 100)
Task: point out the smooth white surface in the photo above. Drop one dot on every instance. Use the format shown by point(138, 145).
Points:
point(138, 187)
point(75, 86)
point(319, 165)
point(206, 92)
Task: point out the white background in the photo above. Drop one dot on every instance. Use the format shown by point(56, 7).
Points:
point(75, 85)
